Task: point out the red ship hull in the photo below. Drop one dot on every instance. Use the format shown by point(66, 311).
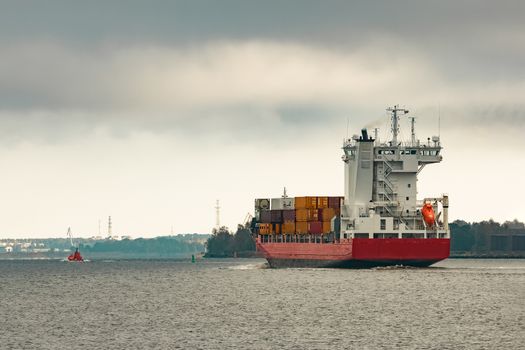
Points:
point(357, 253)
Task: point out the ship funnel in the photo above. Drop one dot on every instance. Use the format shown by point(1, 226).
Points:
point(364, 132)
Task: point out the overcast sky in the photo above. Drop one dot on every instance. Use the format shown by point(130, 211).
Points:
point(149, 111)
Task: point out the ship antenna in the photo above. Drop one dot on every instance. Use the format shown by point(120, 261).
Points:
point(109, 227)
point(284, 193)
point(413, 130)
point(347, 125)
point(439, 120)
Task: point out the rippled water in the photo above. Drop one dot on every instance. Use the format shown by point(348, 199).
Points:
point(239, 304)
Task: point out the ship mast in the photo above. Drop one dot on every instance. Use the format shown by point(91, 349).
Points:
point(395, 121)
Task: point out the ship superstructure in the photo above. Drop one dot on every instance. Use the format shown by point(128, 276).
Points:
point(381, 186)
point(378, 222)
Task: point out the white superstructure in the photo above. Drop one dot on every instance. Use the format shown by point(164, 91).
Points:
point(381, 186)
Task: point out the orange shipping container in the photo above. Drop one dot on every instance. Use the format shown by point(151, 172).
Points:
point(300, 202)
point(311, 202)
point(276, 229)
point(327, 214)
point(301, 214)
point(301, 227)
point(313, 215)
point(288, 227)
point(322, 202)
point(327, 227)
point(307, 215)
point(305, 202)
point(265, 229)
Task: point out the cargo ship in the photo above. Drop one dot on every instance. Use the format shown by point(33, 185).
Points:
point(378, 222)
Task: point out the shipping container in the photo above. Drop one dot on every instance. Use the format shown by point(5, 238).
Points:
point(327, 214)
point(327, 227)
point(335, 202)
point(305, 202)
point(301, 227)
point(306, 214)
point(313, 215)
point(276, 216)
point(288, 227)
point(265, 216)
point(315, 227)
point(276, 229)
point(265, 229)
point(262, 204)
point(283, 203)
point(322, 202)
point(301, 214)
point(289, 215)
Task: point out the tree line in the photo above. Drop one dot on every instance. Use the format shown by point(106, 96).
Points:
point(223, 243)
point(479, 237)
point(162, 245)
point(466, 237)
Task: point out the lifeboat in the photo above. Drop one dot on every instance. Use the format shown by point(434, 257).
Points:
point(428, 214)
point(75, 256)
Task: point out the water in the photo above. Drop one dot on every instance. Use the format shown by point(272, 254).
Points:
point(240, 304)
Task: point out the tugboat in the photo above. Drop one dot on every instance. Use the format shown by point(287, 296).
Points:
point(76, 255)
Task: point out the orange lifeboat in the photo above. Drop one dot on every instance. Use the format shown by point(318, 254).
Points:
point(428, 214)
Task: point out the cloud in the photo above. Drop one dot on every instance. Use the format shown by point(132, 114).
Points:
point(253, 79)
point(156, 111)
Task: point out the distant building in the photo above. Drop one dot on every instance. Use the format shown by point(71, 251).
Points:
point(6, 249)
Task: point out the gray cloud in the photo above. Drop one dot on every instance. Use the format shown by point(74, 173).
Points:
point(121, 92)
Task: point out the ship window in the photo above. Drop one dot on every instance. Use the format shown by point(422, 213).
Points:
point(408, 198)
point(383, 224)
point(346, 235)
point(409, 185)
point(413, 151)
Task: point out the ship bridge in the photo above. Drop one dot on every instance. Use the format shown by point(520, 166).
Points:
point(381, 186)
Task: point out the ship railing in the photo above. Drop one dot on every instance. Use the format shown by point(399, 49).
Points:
point(412, 145)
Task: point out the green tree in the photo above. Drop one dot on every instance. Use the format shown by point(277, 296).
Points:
point(220, 244)
point(461, 236)
point(243, 240)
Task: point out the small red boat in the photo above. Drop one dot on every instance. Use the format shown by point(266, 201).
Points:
point(75, 256)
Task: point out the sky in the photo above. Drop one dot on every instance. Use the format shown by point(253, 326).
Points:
point(150, 111)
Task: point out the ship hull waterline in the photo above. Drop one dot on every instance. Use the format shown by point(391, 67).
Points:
point(356, 253)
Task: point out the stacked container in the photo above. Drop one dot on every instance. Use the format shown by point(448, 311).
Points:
point(299, 215)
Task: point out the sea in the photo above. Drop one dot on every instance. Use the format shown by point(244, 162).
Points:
point(243, 304)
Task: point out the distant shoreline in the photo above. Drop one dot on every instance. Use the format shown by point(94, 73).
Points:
point(98, 256)
point(184, 257)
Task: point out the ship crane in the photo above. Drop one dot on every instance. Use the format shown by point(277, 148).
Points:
point(70, 236)
point(247, 220)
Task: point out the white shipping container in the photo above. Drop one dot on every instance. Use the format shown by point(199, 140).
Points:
point(262, 204)
point(283, 203)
